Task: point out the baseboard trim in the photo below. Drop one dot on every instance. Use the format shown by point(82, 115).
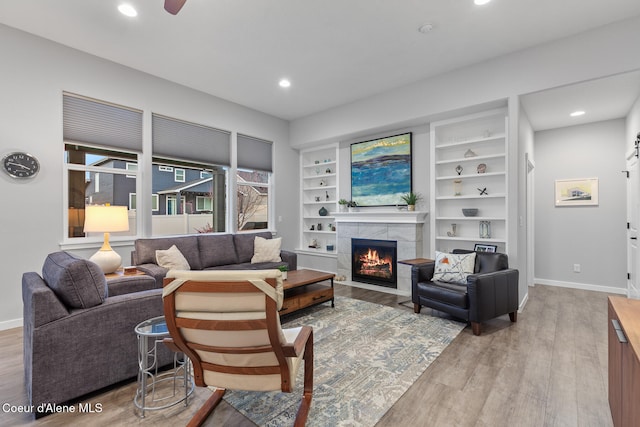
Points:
point(583, 286)
point(10, 324)
point(523, 303)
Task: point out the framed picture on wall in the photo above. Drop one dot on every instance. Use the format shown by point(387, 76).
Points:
point(381, 170)
point(577, 192)
point(479, 247)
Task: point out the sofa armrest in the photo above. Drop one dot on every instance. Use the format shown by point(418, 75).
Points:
point(130, 284)
point(492, 294)
point(40, 303)
point(155, 271)
point(291, 258)
point(420, 273)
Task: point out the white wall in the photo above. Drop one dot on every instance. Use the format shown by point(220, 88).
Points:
point(592, 236)
point(35, 72)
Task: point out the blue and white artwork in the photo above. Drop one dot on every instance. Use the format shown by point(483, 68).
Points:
point(381, 170)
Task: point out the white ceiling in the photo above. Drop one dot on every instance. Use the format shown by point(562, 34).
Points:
point(333, 51)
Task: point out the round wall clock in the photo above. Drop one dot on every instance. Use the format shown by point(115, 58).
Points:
point(20, 165)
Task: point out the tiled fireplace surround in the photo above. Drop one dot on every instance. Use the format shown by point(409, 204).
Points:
point(404, 227)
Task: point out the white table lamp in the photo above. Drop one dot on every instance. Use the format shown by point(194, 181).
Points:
point(106, 219)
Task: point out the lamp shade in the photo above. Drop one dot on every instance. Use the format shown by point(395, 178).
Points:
point(106, 219)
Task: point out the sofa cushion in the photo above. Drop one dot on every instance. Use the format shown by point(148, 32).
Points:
point(266, 250)
point(188, 246)
point(244, 244)
point(453, 268)
point(172, 259)
point(446, 293)
point(216, 249)
point(77, 282)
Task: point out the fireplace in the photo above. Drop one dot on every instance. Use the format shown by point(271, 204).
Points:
point(374, 262)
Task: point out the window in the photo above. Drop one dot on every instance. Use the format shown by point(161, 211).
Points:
point(195, 200)
point(253, 183)
point(204, 203)
point(253, 200)
point(97, 177)
point(154, 201)
point(100, 140)
point(132, 167)
point(165, 169)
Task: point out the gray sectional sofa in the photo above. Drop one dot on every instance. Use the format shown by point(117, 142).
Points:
point(79, 328)
point(207, 252)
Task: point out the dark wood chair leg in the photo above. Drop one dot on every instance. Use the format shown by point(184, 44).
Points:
point(203, 413)
point(513, 316)
point(475, 327)
point(305, 405)
point(416, 308)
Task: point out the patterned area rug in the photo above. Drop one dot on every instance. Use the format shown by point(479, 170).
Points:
point(366, 356)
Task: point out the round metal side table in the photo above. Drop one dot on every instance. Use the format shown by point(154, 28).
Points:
point(159, 390)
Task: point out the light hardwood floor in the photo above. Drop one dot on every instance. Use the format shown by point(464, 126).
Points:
point(548, 369)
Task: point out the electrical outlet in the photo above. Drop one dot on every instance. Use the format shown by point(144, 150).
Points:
point(576, 268)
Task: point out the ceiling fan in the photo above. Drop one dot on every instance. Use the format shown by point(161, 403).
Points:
point(173, 6)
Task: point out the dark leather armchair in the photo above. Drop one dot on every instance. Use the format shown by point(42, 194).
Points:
point(491, 291)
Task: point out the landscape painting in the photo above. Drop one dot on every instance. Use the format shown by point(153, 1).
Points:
point(577, 192)
point(381, 170)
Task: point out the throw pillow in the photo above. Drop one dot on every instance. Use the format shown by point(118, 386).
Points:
point(266, 250)
point(79, 283)
point(454, 268)
point(172, 259)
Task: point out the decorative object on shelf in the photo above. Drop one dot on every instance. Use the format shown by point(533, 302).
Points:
point(326, 195)
point(452, 233)
point(327, 160)
point(323, 183)
point(319, 226)
point(482, 168)
point(284, 269)
point(411, 199)
point(327, 170)
point(479, 247)
point(314, 244)
point(388, 157)
point(483, 191)
point(106, 219)
point(459, 169)
point(352, 205)
point(323, 211)
point(329, 247)
point(317, 198)
point(485, 229)
point(457, 187)
point(469, 211)
point(470, 153)
point(317, 162)
point(332, 227)
point(577, 192)
point(313, 227)
point(317, 171)
point(342, 205)
point(20, 165)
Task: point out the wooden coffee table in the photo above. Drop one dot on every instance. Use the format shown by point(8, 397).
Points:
point(303, 288)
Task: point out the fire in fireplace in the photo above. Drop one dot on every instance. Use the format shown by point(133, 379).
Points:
point(374, 262)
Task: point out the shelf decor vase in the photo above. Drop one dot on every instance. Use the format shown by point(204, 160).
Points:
point(323, 211)
point(485, 229)
point(457, 187)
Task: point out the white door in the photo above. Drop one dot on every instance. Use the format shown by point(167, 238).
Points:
point(633, 218)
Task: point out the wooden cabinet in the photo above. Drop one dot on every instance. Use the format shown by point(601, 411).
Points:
point(469, 171)
point(624, 361)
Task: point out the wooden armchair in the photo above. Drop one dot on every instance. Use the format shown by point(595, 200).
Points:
point(227, 323)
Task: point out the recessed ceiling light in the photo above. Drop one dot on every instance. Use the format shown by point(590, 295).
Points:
point(577, 113)
point(284, 83)
point(127, 10)
point(481, 2)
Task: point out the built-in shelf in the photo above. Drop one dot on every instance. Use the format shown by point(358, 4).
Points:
point(474, 142)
